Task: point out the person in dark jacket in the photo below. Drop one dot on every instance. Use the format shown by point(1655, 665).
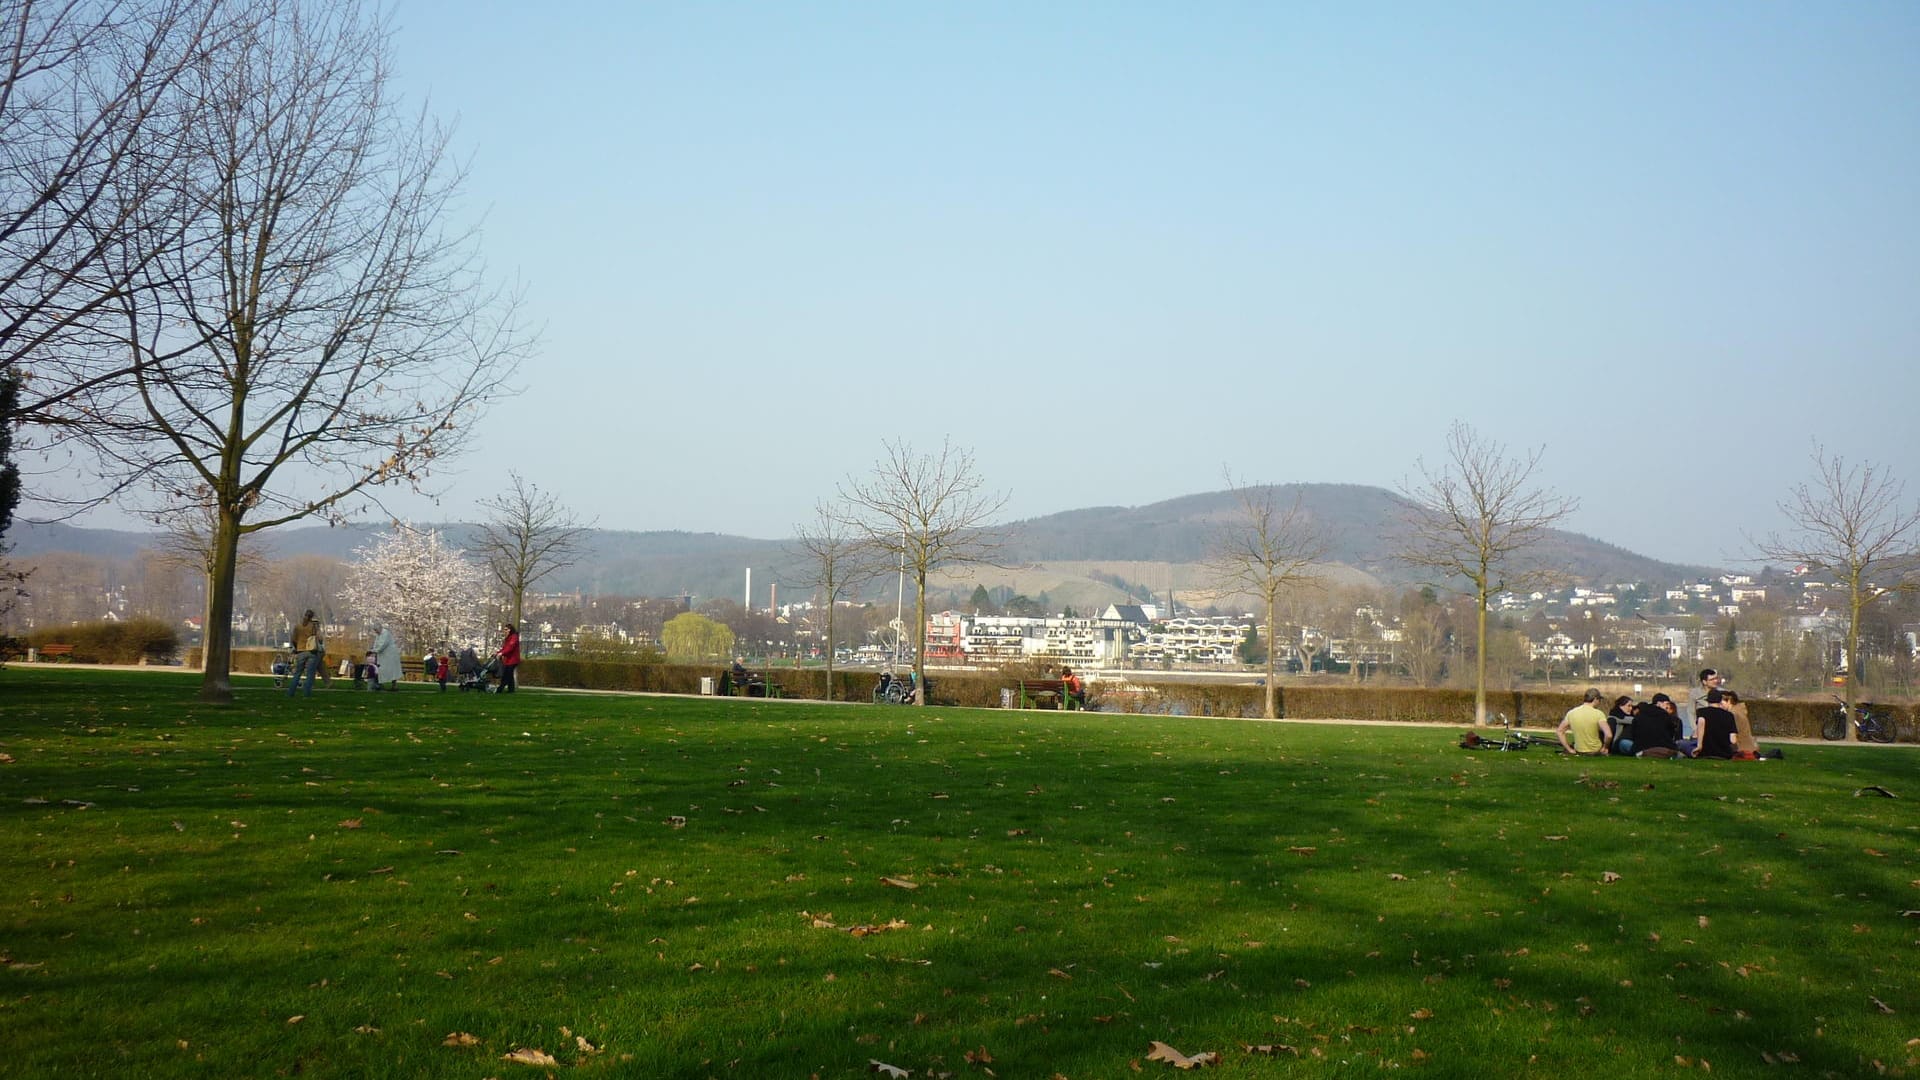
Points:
point(1655, 727)
point(1621, 717)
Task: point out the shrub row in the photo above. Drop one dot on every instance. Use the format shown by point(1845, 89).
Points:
point(1398, 704)
point(128, 641)
point(1532, 708)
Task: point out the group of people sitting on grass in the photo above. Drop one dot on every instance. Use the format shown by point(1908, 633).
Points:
point(1717, 726)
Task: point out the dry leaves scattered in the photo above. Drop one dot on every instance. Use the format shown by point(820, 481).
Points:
point(530, 1056)
point(1609, 877)
point(1159, 1051)
point(459, 1038)
point(350, 823)
point(884, 1069)
point(898, 883)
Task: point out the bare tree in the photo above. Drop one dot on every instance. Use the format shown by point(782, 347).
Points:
point(837, 563)
point(88, 97)
point(929, 511)
point(528, 535)
point(1851, 521)
point(1263, 549)
point(1476, 523)
point(319, 333)
point(188, 540)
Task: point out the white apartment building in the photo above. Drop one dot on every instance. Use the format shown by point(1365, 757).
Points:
point(999, 639)
point(1194, 640)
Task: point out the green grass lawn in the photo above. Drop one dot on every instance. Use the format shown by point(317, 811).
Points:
point(697, 887)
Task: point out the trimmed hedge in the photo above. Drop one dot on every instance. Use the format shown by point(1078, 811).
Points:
point(1395, 704)
point(128, 641)
point(1537, 709)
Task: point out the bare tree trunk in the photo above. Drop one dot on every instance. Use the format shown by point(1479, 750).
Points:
point(1273, 691)
point(920, 636)
point(829, 690)
point(1480, 664)
point(216, 653)
point(1849, 690)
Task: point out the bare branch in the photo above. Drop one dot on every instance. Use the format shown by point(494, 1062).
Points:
point(930, 511)
point(1852, 521)
point(302, 327)
point(1262, 550)
point(1477, 523)
point(528, 535)
point(838, 562)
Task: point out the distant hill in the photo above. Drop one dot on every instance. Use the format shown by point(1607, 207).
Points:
point(1086, 557)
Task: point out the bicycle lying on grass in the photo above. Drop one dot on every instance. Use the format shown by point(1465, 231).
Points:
point(1510, 738)
point(1870, 726)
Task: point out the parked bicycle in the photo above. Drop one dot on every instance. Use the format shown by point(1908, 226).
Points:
point(1868, 725)
point(1510, 738)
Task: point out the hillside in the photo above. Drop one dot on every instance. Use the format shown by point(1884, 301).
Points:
point(1085, 557)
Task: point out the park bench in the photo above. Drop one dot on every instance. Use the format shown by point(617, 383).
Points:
point(417, 670)
point(1044, 694)
point(55, 652)
point(751, 684)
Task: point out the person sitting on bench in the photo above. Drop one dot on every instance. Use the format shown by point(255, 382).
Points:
point(1072, 688)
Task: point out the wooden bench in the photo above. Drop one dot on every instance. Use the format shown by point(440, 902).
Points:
point(1031, 692)
point(417, 670)
point(54, 652)
point(752, 684)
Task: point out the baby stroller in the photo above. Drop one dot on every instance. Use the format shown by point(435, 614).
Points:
point(475, 675)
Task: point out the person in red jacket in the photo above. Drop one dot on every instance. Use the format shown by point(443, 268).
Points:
point(509, 658)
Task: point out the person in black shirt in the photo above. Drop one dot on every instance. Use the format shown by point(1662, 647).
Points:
point(1716, 727)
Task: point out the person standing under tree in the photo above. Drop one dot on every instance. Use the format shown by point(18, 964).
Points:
point(509, 658)
point(308, 645)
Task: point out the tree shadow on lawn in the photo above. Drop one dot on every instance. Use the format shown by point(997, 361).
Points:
point(1190, 836)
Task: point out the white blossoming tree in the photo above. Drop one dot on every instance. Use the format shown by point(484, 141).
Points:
point(427, 592)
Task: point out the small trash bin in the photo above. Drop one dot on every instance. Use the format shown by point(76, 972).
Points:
point(706, 685)
point(1006, 697)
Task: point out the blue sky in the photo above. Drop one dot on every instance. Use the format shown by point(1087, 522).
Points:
point(1115, 247)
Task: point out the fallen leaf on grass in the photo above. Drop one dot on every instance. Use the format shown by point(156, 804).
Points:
point(898, 883)
point(978, 1057)
point(1704, 922)
point(1422, 1014)
point(585, 1046)
point(1160, 1051)
point(350, 823)
point(1302, 851)
point(866, 929)
point(530, 1056)
point(1396, 877)
point(1058, 974)
point(1881, 1005)
point(366, 1029)
point(303, 1016)
point(1270, 1048)
point(1609, 877)
point(884, 1069)
point(1553, 838)
point(459, 1038)
point(677, 821)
